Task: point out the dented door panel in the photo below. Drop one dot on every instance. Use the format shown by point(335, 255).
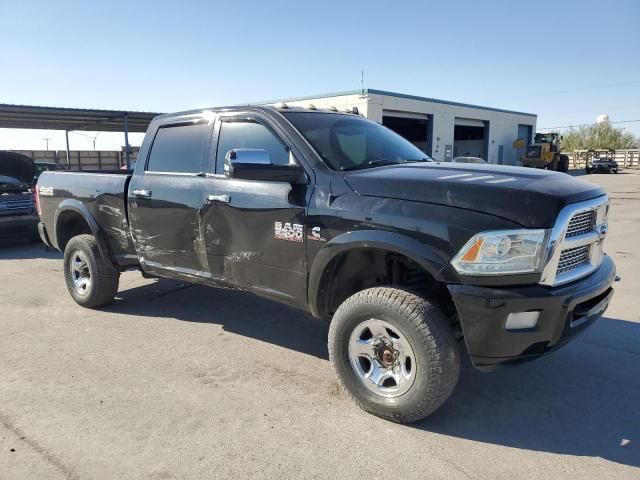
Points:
point(256, 240)
point(166, 226)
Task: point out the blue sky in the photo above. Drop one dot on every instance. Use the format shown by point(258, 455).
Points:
point(566, 61)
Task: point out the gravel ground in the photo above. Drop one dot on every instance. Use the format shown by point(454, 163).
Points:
point(181, 381)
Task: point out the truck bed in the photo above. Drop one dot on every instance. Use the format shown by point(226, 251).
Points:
point(102, 194)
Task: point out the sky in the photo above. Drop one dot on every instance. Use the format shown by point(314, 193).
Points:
point(566, 61)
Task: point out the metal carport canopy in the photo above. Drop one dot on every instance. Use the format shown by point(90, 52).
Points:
point(58, 118)
point(69, 119)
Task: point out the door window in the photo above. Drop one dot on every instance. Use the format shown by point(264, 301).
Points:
point(248, 134)
point(178, 148)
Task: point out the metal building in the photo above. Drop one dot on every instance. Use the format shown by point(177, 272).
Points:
point(440, 128)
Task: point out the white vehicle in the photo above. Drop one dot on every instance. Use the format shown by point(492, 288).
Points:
point(469, 160)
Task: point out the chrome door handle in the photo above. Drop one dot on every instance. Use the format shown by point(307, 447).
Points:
point(142, 193)
point(219, 198)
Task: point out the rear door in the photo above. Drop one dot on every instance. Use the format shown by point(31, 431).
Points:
point(254, 231)
point(165, 199)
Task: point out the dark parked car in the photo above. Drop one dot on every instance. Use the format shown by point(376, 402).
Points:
point(340, 217)
point(602, 165)
point(18, 217)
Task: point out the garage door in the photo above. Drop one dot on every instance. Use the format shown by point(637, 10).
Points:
point(469, 138)
point(415, 127)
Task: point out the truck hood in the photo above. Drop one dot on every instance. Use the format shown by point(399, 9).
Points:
point(529, 197)
point(17, 166)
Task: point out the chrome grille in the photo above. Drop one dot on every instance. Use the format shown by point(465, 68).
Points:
point(573, 258)
point(21, 204)
point(581, 223)
point(575, 246)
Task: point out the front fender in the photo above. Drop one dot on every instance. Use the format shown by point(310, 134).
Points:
point(71, 204)
point(422, 254)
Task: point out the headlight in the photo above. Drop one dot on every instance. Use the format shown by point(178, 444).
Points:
point(501, 253)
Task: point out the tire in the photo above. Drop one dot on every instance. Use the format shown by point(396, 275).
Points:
point(563, 164)
point(587, 171)
point(83, 261)
point(425, 382)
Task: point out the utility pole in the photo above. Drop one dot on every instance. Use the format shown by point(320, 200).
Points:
point(46, 142)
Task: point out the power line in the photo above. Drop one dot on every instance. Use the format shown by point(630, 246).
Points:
point(585, 125)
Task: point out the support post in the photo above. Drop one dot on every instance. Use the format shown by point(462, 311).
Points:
point(66, 137)
point(126, 140)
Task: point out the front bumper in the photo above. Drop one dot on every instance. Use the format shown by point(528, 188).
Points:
point(19, 225)
point(565, 312)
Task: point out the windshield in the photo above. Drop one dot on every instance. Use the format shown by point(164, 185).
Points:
point(351, 143)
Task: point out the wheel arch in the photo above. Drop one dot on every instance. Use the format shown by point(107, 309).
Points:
point(326, 263)
point(73, 218)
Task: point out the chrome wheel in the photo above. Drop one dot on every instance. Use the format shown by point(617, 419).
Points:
point(80, 273)
point(382, 358)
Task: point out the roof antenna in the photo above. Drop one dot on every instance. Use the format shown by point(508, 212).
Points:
point(362, 82)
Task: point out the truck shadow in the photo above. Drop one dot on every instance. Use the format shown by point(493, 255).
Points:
point(582, 400)
point(23, 250)
point(237, 312)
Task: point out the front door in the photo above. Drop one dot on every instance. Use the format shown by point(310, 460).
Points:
point(254, 230)
point(165, 201)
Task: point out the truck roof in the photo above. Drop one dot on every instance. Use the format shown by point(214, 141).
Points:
point(281, 107)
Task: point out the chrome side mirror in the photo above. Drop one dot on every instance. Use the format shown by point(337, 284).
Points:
point(242, 156)
point(255, 164)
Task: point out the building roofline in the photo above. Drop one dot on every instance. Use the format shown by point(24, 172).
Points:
point(394, 94)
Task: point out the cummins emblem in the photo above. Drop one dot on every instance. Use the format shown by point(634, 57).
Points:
point(291, 232)
point(316, 235)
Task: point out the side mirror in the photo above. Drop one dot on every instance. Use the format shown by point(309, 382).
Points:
point(255, 164)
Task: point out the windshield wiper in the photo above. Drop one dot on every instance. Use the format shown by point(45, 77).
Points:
point(383, 161)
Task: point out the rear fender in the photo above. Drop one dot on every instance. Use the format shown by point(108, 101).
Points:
point(71, 204)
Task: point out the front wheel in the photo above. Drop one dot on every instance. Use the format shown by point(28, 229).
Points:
point(394, 353)
point(90, 280)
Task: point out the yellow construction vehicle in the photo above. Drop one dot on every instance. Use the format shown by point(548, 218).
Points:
point(544, 152)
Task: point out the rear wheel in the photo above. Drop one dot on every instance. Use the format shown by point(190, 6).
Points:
point(394, 353)
point(90, 280)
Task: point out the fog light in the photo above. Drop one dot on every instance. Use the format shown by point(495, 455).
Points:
point(521, 320)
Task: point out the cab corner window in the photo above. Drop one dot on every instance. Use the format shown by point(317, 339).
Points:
point(178, 148)
point(249, 134)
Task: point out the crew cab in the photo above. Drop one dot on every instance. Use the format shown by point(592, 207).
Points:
point(411, 260)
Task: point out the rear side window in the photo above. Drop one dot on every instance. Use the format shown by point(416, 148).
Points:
point(247, 134)
point(178, 148)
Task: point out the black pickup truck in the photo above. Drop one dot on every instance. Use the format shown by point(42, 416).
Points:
point(331, 213)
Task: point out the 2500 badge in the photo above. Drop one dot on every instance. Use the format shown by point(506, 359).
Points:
point(292, 232)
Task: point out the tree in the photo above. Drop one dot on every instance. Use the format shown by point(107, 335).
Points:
point(597, 137)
